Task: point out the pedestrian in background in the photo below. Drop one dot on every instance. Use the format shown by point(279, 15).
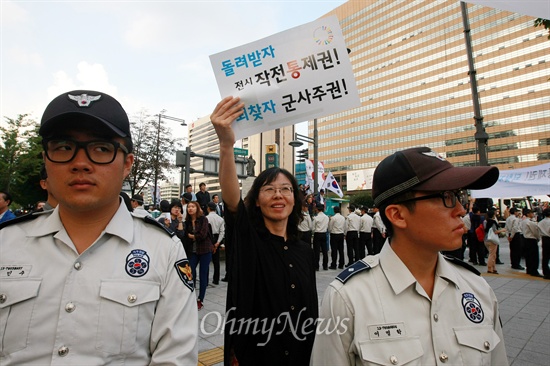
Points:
point(336, 228)
point(531, 237)
point(492, 241)
point(544, 227)
point(305, 226)
point(5, 202)
point(365, 233)
point(320, 229)
point(353, 224)
point(271, 270)
point(217, 225)
point(200, 246)
point(203, 197)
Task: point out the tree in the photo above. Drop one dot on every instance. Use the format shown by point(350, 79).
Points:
point(153, 150)
point(20, 160)
point(362, 199)
point(544, 23)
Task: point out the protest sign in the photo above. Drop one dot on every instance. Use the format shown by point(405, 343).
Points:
point(290, 77)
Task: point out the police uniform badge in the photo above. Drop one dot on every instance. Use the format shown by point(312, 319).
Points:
point(137, 263)
point(472, 308)
point(183, 268)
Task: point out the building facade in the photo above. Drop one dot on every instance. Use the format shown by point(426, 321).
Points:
point(412, 73)
point(203, 140)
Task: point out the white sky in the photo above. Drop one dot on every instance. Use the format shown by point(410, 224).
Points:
point(147, 54)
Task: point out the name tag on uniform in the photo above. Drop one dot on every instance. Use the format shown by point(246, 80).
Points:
point(384, 331)
point(15, 271)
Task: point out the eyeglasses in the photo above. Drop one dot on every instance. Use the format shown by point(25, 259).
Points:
point(449, 198)
point(270, 191)
point(99, 152)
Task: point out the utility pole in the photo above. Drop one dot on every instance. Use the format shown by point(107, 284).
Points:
point(481, 136)
point(161, 116)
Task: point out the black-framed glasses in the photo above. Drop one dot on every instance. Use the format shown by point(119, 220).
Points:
point(449, 198)
point(99, 151)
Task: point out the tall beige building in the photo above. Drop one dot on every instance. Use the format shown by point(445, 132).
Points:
point(411, 68)
point(203, 140)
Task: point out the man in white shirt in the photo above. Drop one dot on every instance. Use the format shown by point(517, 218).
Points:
point(531, 237)
point(544, 227)
point(93, 284)
point(351, 232)
point(378, 232)
point(137, 204)
point(410, 304)
point(320, 227)
point(365, 233)
point(513, 228)
point(218, 231)
point(336, 227)
point(306, 225)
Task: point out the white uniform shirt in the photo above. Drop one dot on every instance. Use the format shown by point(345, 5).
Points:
point(530, 229)
point(512, 225)
point(140, 212)
point(122, 301)
point(382, 316)
point(306, 224)
point(218, 225)
point(378, 223)
point(337, 224)
point(366, 223)
point(353, 222)
point(320, 223)
point(544, 226)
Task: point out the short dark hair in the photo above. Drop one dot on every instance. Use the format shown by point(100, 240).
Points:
point(7, 196)
point(336, 209)
point(202, 184)
point(410, 205)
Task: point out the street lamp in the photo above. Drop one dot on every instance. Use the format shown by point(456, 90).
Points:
point(299, 141)
point(161, 116)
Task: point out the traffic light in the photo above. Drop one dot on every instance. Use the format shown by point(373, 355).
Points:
point(303, 155)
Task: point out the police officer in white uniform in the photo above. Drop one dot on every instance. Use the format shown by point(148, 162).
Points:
point(88, 283)
point(409, 304)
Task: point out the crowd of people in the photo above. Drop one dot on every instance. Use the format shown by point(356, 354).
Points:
point(101, 260)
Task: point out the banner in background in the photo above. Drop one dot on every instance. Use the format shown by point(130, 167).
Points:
point(522, 182)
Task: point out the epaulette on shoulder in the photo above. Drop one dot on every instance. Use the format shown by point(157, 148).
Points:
point(19, 219)
point(152, 221)
point(352, 270)
point(463, 264)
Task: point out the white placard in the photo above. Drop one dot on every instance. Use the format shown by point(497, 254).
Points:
point(292, 76)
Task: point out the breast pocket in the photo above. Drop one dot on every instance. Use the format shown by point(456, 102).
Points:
point(17, 301)
point(476, 344)
point(125, 315)
point(398, 351)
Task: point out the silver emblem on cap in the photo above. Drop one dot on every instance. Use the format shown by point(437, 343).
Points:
point(433, 154)
point(84, 100)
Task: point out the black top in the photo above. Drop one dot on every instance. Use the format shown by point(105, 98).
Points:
point(269, 280)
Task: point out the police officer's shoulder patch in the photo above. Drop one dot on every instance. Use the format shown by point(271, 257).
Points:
point(152, 221)
point(463, 264)
point(183, 268)
point(19, 219)
point(352, 270)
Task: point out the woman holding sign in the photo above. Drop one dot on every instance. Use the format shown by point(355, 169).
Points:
point(272, 297)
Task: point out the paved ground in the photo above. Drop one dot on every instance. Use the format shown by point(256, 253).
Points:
point(524, 309)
